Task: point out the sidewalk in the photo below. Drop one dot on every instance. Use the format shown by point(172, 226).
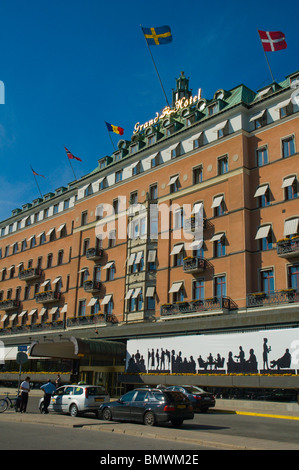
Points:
point(197, 436)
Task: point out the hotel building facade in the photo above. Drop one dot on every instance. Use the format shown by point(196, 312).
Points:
point(175, 260)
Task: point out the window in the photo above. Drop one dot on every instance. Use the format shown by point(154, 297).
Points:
point(293, 277)
point(134, 148)
point(110, 272)
point(264, 199)
point(222, 165)
point(174, 184)
point(3, 274)
point(197, 175)
point(288, 147)
point(23, 245)
point(88, 191)
point(198, 289)
point(49, 260)
point(112, 239)
point(103, 183)
point(152, 139)
point(10, 228)
point(82, 308)
point(262, 156)
point(97, 273)
point(66, 204)
point(176, 151)
point(27, 292)
point(179, 218)
point(266, 243)
point(179, 296)
point(118, 176)
point(134, 197)
point(153, 190)
point(156, 160)
point(219, 247)
point(42, 239)
point(290, 186)
point(15, 248)
point(33, 242)
point(6, 251)
point(84, 276)
point(55, 209)
point(60, 257)
point(218, 206)
point(108, 308)
point(198, 141)
point(220, 286)
point(84, 218)
point(46, 213)
point(212, 109)
point(267, 281)
point(115, 204)
point(85, 246)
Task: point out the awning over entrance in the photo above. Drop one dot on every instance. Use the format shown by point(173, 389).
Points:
point(75, 348)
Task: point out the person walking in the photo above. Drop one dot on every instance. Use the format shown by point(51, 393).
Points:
point(58, 381)
point(25, 389)
point(48, 389)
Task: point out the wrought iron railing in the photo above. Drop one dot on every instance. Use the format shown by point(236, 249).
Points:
point(194, 264)
point(90, 286)
point(94, 253)
point(202, 305)
point(288, 246)
point(47, 296)
point(30, 273)
point(284, 296)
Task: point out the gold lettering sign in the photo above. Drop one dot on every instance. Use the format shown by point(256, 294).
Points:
point(167, 111)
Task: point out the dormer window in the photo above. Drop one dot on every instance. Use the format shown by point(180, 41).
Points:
point(152, 139)
point(134, 148)
point(213, 109)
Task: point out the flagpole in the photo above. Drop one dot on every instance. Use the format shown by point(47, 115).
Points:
point(266, 59)
point(72, 168)
point(110, 137)
point(156, 69)
point(36, 183)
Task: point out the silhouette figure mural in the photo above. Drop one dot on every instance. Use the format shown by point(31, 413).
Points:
point(226, 354)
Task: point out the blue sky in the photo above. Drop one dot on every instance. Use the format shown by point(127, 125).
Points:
point(70, 65)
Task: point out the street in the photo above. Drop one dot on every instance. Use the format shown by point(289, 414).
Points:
point(213, 430)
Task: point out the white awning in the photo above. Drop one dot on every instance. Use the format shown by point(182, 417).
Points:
point(257, 116)
point(42, 312)
point(40, 234)
point(151, 257)
point(175, 287)
point(220, 126)
point(261, 190)
point(217, 237)
point(53, 310)
point(64, 308)
point(263, 92)
point(170, 149)
point(196, 244)
point(283, 104)
point(290, 227)
point(33, 311)
point(137, 291)
point(50, 231)
point(106, 299)
point(108, 265)
point(195, 137)
point(138, 257)
point(288, 181)
point(82, 270)
point(150, 291)
point(197, 207)
point(61, 227)
point(4, 317)
point(22, 313)
point(263, 232)
point(13, 316)
point(131, 259)
point(45, 283)
point(217, 201)
point(172, 180)
point(177, 249)
point(92, 302)
point(56, 280)
point(129, 294)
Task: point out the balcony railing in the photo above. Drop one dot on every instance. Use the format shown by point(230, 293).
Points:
point(194, 265)
point(202, 305)
point(92, 286)
point(89, 320)
point(288, 248)
point(94, 253)
point(260, 299)
point(29, 274)
point(47, 297)
point(9, 304)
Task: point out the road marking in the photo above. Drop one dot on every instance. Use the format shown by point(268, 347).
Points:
point(248, 413)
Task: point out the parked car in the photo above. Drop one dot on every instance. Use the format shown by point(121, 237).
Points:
point(149, 406)
point(200, 399)
point(77, 399)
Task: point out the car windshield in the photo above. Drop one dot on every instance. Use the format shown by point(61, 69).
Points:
point(194, 390)
point(176, 396)
point(96, 391)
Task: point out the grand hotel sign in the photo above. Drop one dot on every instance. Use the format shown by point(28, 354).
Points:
point(168, 111)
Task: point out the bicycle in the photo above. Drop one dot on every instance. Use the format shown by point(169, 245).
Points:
point(8, 402)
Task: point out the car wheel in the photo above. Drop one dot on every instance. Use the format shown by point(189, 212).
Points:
point(149, 418)
point(74, 410)
point(41, 408)
point(177, 422)
point(107, 415)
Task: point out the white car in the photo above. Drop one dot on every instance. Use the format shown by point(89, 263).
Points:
point(77, 399)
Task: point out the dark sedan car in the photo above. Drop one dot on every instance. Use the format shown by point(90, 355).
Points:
point(200, 399)
point(149, 406)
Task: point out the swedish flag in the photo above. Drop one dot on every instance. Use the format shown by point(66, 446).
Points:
point(158, 35)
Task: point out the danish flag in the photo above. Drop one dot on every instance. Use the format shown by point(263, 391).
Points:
point(272, 40)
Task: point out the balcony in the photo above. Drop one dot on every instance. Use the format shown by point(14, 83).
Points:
point(92, 286)
point(288, 248)
point(47, 297)
point(197, 306)
point(90, 320)
point(30, 274)
point(195, 224)
point(263, 299)
point(194, 265)
point(9, 304)
point(94, 254)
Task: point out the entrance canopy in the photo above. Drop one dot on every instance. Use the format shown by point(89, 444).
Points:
point(75, 348)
